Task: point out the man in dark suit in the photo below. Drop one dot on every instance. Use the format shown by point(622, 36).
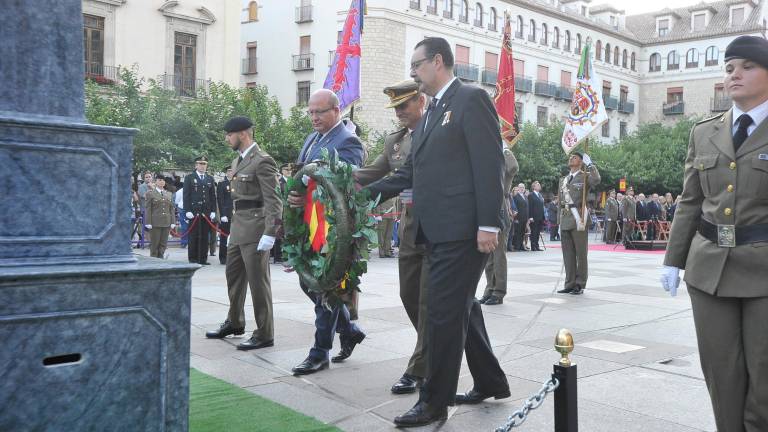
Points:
point(535, 214)
point(331, 134)
point(521, 202)
point(199, 202)
point(224, 198)
point(654, 215)
point(458, 217)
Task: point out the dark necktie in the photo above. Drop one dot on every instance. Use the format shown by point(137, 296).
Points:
point(741, 135)
point(239, 159)
point(430, 108)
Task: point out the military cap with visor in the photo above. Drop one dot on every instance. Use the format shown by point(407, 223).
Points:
point(401, 92)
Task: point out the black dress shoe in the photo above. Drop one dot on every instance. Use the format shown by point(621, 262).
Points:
point(421, 414)
point(565, 291)
point(347, 346)
point(577, 291)
point(205, 263)
point(310, 366)
point(407, 384)
point(225, 330)
point(255, 343)
point(494, 301)
point(484, 299)
point(475, 397)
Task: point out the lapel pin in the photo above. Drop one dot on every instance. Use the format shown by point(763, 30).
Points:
point(446, 118)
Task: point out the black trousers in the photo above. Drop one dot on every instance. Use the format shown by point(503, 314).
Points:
point(455, 324)
point(197, 249)
point(223, 241)
point(535, 232)
point(517, 242)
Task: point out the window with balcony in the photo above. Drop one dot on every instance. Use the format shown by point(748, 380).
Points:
point(567, 41)
point(249, 62)
point(711, 56)
point(556, 37)
point(490, 68)
point(305, 60)
point(493, 20)
point(544, 34)
point(448, 9)
point(721, 101)
point(432, 7)
point(532, 31)
point(674, 104)
point(654, 63)
point(253, 11)
point(304, 12)
point(598, 50)
point(464, 14)
point(185, 64)
point(519, 27)
point(478, 15)
point(541, 116)
point(673, 60)
point(302, 93)
point(93, 44)
point(692, 58)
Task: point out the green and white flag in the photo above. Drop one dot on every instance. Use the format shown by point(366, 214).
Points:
point(587, 110)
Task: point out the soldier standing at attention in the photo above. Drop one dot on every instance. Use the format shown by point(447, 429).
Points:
point(257, 216)
point(573, 224)
point(629, 212)
point(719, 236)
point(611, 216)
point(199, 202)
point(160, 217)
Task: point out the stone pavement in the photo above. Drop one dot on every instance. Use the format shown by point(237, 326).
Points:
point(635, 348)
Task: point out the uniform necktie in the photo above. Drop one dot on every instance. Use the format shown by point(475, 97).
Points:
point(239, 159)
point(741, 135)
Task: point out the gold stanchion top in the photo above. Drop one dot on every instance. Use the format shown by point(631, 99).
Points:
point(564, 345)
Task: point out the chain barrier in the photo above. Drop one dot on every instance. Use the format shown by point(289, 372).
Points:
point(518, 417)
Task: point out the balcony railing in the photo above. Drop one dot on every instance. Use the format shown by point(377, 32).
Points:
point(304, 62)
point(564, 93)
point(489, 76)
point(463, 19)
point(722, 103)
point(691, 65)
point(448, 14)
point(415, 4)
point(182, 86)
point(523, 84)
point(249, 66)
point(712, 62)
point(478, 23)
point(611, 103)
point(626, 106)
point(673, 66)
point(654, 68)
point(432, 10)
point(545, 88)
point(101, 74)
point(531, 38)
point(466, 71)
point(303, 14)
point(672, 108)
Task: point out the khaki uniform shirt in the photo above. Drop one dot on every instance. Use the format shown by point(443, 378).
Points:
point(160, 210)
point(611, 209)
point(628, 208)
point(571, 193)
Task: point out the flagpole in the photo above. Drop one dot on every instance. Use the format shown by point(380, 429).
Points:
point(584, 188)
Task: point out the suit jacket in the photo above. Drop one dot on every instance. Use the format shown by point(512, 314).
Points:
point(612, 209)
point(455, 167)
point(654, 210)
point(521, 202)
point(199, 195)
point(723, 187)
point(255, 179)
point(339, 138)
point(571, 193)
point(642, 210)
point(628, 209)
point(224, 198)
point(535, 207)
point(161, 210)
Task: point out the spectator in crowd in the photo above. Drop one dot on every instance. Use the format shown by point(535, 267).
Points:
point(513, 212)
point(521, 202)
point(667, 203)
point(553, 219)
point(535, 214)
point(178, 198)
point(654, 215)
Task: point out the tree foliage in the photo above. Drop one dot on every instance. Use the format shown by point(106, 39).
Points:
point(172, 131)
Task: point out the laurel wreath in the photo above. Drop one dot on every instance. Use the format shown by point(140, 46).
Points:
point(336, 269)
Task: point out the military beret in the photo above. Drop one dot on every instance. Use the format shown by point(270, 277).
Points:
point(751, 48)
point(577, 154)
point(201, 159)
point(400, 92)
point(237, 124)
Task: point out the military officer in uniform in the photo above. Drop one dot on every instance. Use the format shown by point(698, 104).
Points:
point(199, 202)
point(224, 199)
point(611, 216)
point(385, 215)
point(629, 215)
point(256, 218)
point(413, 266)
point(719, 236)
point(496, 266)
point(160, 216)
point(573, 223)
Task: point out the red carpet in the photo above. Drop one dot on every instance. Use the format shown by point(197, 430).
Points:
point(611, 248)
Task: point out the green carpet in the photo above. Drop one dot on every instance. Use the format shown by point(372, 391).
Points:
point(217, 406)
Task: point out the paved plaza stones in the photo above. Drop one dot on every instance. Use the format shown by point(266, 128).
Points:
point(635, 347)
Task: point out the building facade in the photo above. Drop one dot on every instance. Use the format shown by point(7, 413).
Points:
point(653, 67)
point(183, 45)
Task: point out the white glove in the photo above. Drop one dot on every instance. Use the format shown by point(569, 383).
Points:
point(670, 279)
point(212, 215)
point(224, 219)
point(305, 179)
point(609, 219)
point(587, 160)
point(189, 215)
point(265, 243)
point(148, 226)
point(173, 226)
point(378, 218)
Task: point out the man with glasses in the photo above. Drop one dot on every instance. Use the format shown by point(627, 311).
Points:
point(458, 218)
point(331, 134)
point(199, 202)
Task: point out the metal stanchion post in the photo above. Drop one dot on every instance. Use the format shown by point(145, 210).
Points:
point(566, 409)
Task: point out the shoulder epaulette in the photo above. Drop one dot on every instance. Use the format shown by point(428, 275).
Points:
point(709, 119)
point(399, 131)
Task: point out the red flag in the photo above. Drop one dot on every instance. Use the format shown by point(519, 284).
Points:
point(505, 87)
point(314, 217)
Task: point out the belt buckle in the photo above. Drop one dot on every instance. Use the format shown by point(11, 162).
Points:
point(726, 235)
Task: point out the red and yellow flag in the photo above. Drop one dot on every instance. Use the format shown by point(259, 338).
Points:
point(505, 87)
point(314, 217)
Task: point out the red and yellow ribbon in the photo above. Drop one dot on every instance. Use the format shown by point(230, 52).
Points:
point(314, 217)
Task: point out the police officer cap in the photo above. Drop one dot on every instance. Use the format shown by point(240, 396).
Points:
point(400, 92)
point(201, 159)
point(751, 48)
point(237, 124)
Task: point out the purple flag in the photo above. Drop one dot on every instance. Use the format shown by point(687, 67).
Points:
point(344, 76)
